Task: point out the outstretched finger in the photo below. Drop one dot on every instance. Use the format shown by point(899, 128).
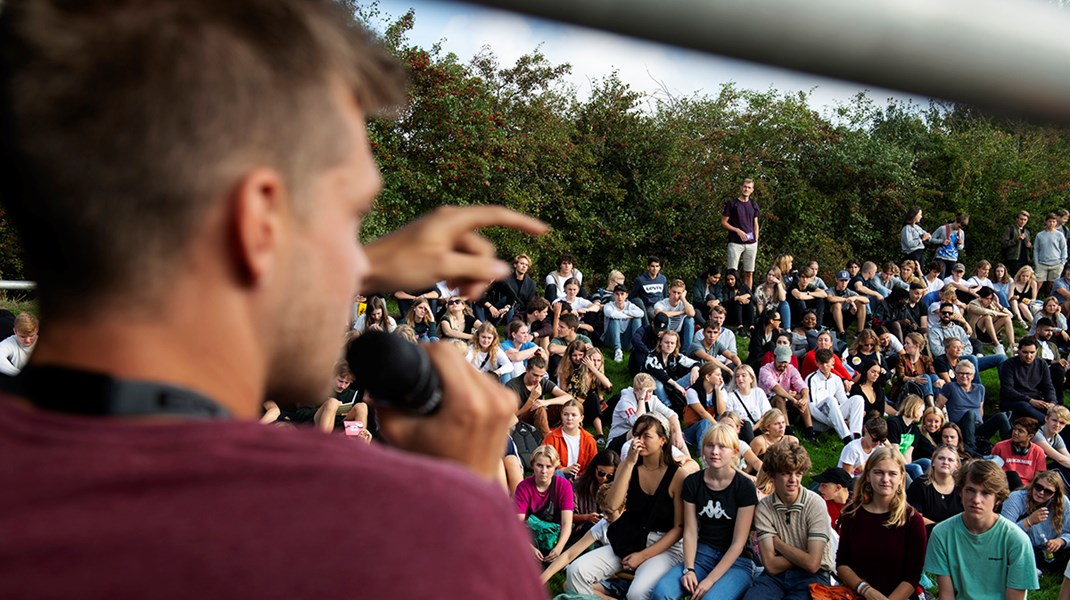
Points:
point(466, 218)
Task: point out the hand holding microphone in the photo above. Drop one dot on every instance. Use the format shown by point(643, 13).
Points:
point(430, 401)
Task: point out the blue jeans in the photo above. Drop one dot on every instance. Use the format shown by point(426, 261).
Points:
point(793, 584)
point(687, 332)
point(659, 389)
point(695, 432)
point(731, 586)
point(984, 363)
point(917, 468)
point(614, 337)
point(784, 308)
point(973, 429)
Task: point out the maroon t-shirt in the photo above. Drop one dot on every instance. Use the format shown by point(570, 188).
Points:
point(99, 508)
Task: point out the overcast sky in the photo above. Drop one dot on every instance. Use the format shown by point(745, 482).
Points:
point(648, 67)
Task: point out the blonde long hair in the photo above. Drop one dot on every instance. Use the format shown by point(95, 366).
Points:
point(492, 350)
point(899, 511)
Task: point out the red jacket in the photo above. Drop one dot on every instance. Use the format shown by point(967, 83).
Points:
point(588, 448)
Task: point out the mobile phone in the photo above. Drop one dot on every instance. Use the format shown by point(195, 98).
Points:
point(354, 428)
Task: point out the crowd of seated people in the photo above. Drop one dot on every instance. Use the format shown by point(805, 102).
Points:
point(704, 443)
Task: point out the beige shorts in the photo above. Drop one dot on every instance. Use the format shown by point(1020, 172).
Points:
point(1047, 272)
point(749, 252)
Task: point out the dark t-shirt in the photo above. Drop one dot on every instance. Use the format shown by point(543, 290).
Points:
point(896, 429)
point(717, 509)
point(932, 504)
point(101, 508)
point(517, 385)
point(942, 365)
point(916, 312)
point(741, 215)
point(854, 280)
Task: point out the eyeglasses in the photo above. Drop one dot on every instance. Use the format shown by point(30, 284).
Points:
point(946, 314)
point(599, 473)
point(963, 374)
point(1043, 491)
point(455, 302)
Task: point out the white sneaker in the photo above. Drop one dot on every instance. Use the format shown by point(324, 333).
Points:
point(999, 349)
point(618, 355)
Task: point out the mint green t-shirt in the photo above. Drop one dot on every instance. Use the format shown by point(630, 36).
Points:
point(982, 567)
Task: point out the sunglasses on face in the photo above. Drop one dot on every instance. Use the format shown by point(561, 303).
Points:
point(599, 473)
point(1043, 491)
point(946, 314)
point(455, 302)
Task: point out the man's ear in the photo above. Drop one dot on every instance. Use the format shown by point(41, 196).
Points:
point(259, 209)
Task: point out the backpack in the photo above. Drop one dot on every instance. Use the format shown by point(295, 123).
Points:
point(527, 439)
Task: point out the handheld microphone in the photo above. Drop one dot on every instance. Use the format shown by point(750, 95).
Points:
point(398, 374)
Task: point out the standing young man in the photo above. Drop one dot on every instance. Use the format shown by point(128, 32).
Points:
point(740, 219)
point(1017, 241)
point(1049, 253)
point(176, 220)
point(979, 554)
point(794, 530)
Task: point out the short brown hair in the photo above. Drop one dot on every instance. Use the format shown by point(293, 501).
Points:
point(986, 474)
point(536, 362)
point(27, 324)
point(122, 124)
point(786, 457)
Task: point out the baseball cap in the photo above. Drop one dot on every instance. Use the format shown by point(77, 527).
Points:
point(843, 276)
point(834, 475)
point(660, 322)
point(782, 354)
point(619, 288)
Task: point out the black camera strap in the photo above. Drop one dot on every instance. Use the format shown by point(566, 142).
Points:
point(87, 393)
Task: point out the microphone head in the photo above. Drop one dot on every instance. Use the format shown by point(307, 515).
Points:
point(396, 373)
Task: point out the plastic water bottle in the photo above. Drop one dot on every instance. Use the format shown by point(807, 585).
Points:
point(1049, 556)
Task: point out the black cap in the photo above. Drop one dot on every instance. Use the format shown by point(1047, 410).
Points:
point(619, 288)
point(834, 475)
point(660, 322)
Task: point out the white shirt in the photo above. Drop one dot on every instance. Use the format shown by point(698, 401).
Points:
point(13, 356)
point(572, 442)
point(750, 407)
point(822, 388)
point(853, 454)
point(626, 412)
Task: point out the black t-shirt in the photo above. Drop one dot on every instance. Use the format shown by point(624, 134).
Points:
point(916, 312)
point(856, 279)
point(942, 365)
point(517, 385)
point(932, 504)
point(717, 509)
point(896, 429)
